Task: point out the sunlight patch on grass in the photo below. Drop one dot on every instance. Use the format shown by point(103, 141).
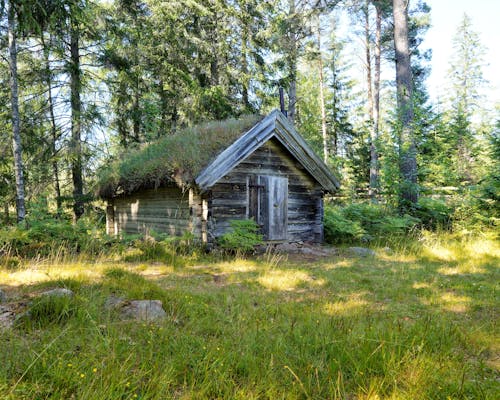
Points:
point(25, 277)
point(449, 271)
point(154, 270)
point(465, 249)
point(421, 285)
point(454, 303)
point(355, 302)
point(397, 257)
point(44, 273)
point(237, 266)
point(440, 253)
point(286, 279)
point(467, 268)
point(483, 247)
point(346, 263)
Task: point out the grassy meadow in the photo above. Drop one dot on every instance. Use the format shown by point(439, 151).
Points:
point(415, 322)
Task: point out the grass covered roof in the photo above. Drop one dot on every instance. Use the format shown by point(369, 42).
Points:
point(175, 158)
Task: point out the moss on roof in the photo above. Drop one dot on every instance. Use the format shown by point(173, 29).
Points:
point(175, 158)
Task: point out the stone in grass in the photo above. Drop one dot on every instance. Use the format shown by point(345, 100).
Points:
point(361, 251)
point(114, 302)
point(143, 310)
point(3, 297)
point(7, 317)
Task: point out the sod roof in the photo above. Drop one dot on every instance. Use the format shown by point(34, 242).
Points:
point(176, 158)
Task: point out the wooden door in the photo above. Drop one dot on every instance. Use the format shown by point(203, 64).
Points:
point(273, 206)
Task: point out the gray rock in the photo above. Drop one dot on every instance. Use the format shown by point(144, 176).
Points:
point(288, 247)
point(361, 251)
point(58, 292)
point(3, 296)
point(314, 251)
point(7, 317)
point(113, 302)
point(143, 310)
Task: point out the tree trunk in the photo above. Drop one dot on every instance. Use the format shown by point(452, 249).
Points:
point(53, 127)
point(214, 62)
point(244, 67)
point(16, 129)
point(407, 149)
point(368, 60)
point(374, 179)
point(292, 64)
point(76, 125)
point(334, 109)
point(136, 115)
point(164, 109)
point(6, 213)
point(324, 132)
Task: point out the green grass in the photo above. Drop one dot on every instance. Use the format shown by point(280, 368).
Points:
point(414, 323)
point(179, 157)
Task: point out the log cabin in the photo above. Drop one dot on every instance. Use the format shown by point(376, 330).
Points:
point(197, 181)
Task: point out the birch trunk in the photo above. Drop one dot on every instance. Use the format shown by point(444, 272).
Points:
point(324, 132)
point(408, 154)
point(374, 178)
point(16, 128)
point(368, 61)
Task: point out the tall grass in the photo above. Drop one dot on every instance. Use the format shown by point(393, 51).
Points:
point(414, 324)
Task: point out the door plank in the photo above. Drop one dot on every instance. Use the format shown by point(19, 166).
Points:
point(274, 206)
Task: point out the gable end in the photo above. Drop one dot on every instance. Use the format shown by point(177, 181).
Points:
point(274, 125)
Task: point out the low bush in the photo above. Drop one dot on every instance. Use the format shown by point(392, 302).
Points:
point(434, 214)
point(338, 228)
point(361, 222)
point(48, 236)
point(44, 234)
point(242, 238)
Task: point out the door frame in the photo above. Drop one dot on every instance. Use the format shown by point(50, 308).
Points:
point(258, 195)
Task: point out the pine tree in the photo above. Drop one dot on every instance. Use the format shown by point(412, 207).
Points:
point(407, 147)
point(466, 81)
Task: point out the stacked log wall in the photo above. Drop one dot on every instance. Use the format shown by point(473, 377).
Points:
point(229, 198)
point(164, 210)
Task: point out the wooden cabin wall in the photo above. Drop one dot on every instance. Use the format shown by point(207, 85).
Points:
point(229, 198)
point(164, 210)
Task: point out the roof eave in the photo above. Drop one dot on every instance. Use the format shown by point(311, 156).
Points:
point(274, 125)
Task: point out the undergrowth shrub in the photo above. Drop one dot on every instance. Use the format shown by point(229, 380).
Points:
point(46, 235)
point(338, 228)
point(242, 238)
point(361, 222)
point(470, 215)
point(434, 214)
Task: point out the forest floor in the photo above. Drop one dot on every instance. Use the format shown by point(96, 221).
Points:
point(398, 325)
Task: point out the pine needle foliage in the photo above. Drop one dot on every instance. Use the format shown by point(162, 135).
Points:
point(175, 158)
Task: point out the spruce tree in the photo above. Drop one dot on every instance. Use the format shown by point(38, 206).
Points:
point(466, 81)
